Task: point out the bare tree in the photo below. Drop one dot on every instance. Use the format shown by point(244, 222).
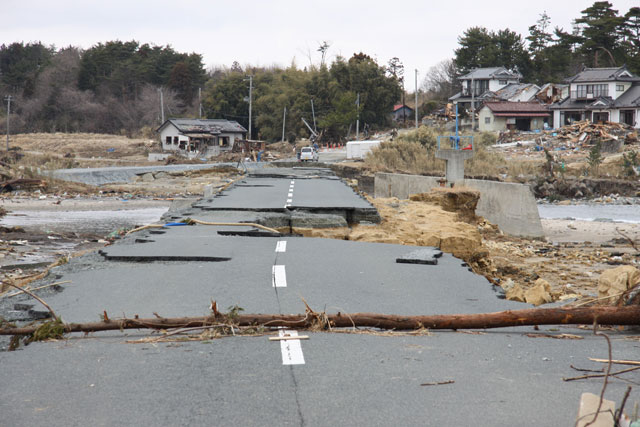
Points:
point(441, 80)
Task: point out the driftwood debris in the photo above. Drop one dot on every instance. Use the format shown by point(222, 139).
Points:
point(629, 315)
point(13, 184)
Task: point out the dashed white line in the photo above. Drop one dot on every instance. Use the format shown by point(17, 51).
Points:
point(291, 349)
point(281, 246)
point(279, 277)
point(289, 200)
point(290, 194)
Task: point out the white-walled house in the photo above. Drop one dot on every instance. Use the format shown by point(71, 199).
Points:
point(202, 137)
point(599, 95)
point(524, 116)
point(482, 80)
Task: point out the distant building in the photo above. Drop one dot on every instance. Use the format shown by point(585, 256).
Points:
point(524, 116)
point(599, 95)
point(202, 137)
point(402, 112)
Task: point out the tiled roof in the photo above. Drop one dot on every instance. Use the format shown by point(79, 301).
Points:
point(516, 107)
point(631, 98)
point(509, 91)
point(491, 73)
point(399, 106)
point(213, 126)
point(603, 75)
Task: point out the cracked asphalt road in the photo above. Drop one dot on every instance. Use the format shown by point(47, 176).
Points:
point(500, 377)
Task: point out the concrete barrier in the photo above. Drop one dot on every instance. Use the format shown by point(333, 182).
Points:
point(510, 206)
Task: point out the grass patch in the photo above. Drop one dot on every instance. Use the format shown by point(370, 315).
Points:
point(415, 152)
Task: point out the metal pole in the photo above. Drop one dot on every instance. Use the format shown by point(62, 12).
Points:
point(8, 114)
point(313, 113)
point(200, 102)
point(358, 118)
point(284, 119)
point(416, 99)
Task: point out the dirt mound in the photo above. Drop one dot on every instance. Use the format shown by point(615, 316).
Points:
point(459, 200)
point(408, 222)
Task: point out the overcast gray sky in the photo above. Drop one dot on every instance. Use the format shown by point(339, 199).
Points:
point(420, 33)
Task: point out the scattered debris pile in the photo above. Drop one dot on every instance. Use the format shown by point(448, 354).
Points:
point(583, 134)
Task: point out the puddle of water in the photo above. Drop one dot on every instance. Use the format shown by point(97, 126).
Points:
point(99, 222)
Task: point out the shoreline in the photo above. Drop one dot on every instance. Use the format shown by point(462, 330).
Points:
point(580, 231)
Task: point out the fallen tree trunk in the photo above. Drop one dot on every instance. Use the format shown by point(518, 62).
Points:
point(529, 317)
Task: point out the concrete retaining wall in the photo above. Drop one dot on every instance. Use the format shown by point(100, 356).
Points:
point(510, 206)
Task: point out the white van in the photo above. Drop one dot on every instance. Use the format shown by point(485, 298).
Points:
point(308, 154)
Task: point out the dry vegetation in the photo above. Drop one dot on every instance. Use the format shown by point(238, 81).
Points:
point(414, 152)
point(83, 147)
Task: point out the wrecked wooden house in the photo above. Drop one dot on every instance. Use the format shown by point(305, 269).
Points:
point(200, 137)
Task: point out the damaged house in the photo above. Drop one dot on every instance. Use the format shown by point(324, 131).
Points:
point(200, 137)
point(513, 92)
point(600, 95)
point(482, 80)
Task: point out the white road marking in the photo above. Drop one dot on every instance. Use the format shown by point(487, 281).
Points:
point(290, 194)
point(291, 349)
point(281, 246)
point(279, 277)
point(289, 200)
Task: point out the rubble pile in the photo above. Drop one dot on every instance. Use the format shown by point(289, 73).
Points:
point(578, 135)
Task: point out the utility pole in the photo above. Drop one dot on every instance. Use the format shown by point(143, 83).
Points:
point(250, 102)
point(200, 102)
point(8, 98)
point(313, 113)
point(358, 118)
point(284, 120)
point(161, 106)
point(416, 111)
point(473, 104)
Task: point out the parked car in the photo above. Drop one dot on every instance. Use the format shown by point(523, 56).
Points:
point(308, 154)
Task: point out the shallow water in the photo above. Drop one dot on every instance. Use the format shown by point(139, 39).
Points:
point(613, 213)
point(98, 222)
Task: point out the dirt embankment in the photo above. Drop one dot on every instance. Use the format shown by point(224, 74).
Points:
point(420, 223)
